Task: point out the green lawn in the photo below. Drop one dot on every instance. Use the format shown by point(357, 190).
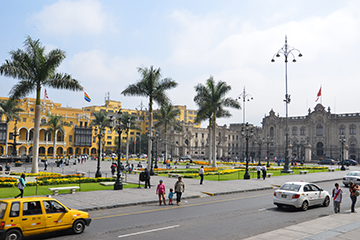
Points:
point(43, 190)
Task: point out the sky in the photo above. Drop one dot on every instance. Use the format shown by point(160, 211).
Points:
point(233, 41)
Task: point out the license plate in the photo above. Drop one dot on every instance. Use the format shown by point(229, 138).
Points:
point(283, 195)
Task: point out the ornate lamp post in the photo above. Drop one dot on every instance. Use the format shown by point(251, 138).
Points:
point(247, 134)
point(156, 149)
point(268, 141)
point(286, 50)
point(14, 144)
point(99, 134)
point(342, 140)
point(259, 142)
point(245, 97)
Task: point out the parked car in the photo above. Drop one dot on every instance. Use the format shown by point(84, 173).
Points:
point(348, 162)
point(187, 157)
point(326, 162)
point(36, 215)
point(301, 195)
point(143, 156)
point(353, 176)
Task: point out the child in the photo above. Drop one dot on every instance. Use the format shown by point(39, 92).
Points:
point(337, 195)
point(171, 194)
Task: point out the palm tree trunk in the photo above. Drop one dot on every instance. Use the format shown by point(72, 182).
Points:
point(35, 166)
point(151, 134)
point(127, 146)
point(165, 147)
point(210, 143)
point(214, 143)
point(54, 144)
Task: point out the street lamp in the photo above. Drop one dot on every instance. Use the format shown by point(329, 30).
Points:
point(342, 140)
point(118, 185)
point(247, 134)
point(268, 141)
point(156, 149)
point(152, 134)
point(99, 134)
point(14, 144)
point(259, 142)
point(286, 50)
point(245, 97)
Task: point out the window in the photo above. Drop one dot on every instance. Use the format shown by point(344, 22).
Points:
point(196, 135)
point(233, 137)
point(102, 110)
point(11, 135)
point(342, 130)
point(15, 209)
point(61, 122)
point(108, 137)
point(271, 132)
point(108, 143)
point(190, 118)
point(190, 112)
point(31, 109)
point(70, 138)
point(71, 123)
point(33, 120)
point(319, 130)
point(53, 207)
point(94, 139)
point(294, 131)
point(302, 131)
point(131, 133)
point(85, 124)
point(43, 120)
point(202, 135)
point(31, 208)
point(109, 132)
point(147, 123)
point(352, 130)
point(24, 119)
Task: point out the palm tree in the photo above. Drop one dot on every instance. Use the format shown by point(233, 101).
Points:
point(55, 124)
point(102, 122)
point(10, 109)
point(127, 118)
point(211, 101)
point(167, 117)
point(152, 86)
point(34, 68)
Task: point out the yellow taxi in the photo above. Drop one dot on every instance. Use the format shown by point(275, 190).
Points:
point(36, 215)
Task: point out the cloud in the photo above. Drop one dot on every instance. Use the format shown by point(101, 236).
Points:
point(65, 17)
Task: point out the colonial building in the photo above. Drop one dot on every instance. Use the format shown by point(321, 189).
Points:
point(316, 135)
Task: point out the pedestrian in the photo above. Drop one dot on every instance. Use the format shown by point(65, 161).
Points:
point(201, 174)
point(264, 171)
point(147, 178)
point(113, 168)
point(171, 195)
point(352, 189)
point(258, 171)
point(45, 165)
point(179, 189)
point(161, 190)
point(21, 185)
point(61, 163)
point(132, 168)
point(337, 195)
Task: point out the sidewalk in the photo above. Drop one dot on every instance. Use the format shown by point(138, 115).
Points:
point(339, 226)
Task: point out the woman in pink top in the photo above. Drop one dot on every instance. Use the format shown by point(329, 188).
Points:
point(160, 190)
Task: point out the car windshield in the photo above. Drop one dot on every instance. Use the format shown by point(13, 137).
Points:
point(290, 187)
point(2, 209)
point(353, 174)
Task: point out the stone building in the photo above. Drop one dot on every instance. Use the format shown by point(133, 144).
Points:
point(316, 135)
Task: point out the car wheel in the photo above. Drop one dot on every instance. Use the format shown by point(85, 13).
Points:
point(326, 202)
point(78, 226)
point(346, 185)
point(13, 234)
point(305, 206)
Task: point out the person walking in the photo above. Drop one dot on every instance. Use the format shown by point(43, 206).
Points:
point(258, 171)
point(264, 171)
point(21, 185)
point(337, 196)
point(147, 178)
point(352, 189)
point(171, 196)
point(113, 168)
point(179, 189)
point(201, 174)
point(45, 165)
point(161, 190)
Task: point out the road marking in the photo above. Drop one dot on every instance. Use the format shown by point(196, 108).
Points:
point(175, 207)
point(147, 231)
point(262, 209)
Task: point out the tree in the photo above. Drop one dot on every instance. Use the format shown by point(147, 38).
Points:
point(127, 118)
point(211, 101)
point(55, 124)
point(34, 68)
point(10, 109)
point(152, 86)
point(167, 118)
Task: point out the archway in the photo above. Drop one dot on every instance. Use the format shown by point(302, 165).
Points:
point(50, 151)
point(77, 151)
point(22, 151)
point(70, 151)
point(1, 150)
point(93, 151)
point(59, 151)
point(319, 149)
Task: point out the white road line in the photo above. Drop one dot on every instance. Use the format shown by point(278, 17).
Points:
point(262, 209)
point(147, 231)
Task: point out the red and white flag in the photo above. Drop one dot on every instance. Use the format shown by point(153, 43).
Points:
point(318, 95)
point(45, 95)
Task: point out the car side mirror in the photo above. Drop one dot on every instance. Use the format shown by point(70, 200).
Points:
point(321, 189)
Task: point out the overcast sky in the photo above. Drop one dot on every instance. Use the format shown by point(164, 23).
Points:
point(234, 41)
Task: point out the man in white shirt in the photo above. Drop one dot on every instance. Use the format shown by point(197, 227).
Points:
point(337, 196)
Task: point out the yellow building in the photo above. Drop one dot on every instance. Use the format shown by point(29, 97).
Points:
point(79, 137)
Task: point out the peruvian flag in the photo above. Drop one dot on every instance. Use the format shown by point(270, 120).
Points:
point(318, 95)
point(45, 95)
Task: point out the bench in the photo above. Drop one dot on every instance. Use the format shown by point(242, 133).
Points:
point(269, 174)
point(303, 172)
point(81, 173)
point(56, 190)
point(174, 175)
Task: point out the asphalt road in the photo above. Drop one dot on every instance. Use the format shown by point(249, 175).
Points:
point(233, 216)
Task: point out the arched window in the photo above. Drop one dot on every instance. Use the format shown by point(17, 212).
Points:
point(272, 132)
point(319, 130)
point(302, 131)
point(342, 130)
point(352, 148)
point(320, 149)
point(294, 131)
point(352, 130)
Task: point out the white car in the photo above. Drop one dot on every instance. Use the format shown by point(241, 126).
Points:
point(353, 176)
point(301, 195)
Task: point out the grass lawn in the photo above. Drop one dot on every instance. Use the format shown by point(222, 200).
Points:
point(43, 190)
point(253, 174)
